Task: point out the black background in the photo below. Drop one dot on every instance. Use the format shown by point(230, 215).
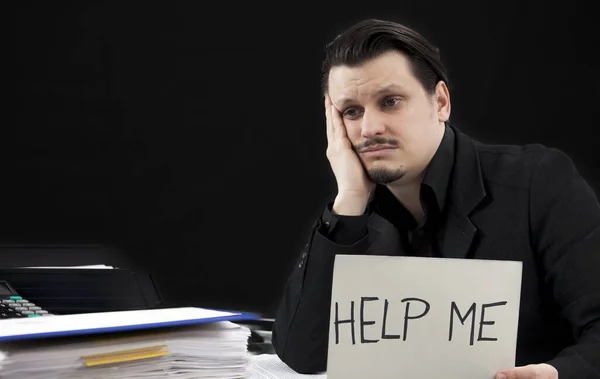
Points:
point(191, 138)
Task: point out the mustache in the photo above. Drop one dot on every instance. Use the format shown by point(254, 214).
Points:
point(376, 141)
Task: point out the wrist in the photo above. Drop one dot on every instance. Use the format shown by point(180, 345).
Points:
point(346, 204)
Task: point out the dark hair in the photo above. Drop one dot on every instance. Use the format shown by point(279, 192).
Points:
point(371, 38)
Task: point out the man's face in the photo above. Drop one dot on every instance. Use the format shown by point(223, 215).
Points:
point(393, 124)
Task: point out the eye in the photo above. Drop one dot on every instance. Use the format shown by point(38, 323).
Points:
point(350, 113)
point(390, 102)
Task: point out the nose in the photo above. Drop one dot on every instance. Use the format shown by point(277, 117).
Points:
point(372, 124)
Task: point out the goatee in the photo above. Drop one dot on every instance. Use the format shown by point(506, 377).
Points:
point(384, 176)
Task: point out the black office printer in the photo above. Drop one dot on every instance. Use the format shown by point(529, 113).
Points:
point(31, 271)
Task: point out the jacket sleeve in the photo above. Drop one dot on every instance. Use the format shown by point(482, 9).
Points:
point(301, 328)
point(565, 222)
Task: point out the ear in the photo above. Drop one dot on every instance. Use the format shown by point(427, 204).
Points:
point(442, 101)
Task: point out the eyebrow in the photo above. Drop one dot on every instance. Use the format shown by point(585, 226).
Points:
point(344, 101)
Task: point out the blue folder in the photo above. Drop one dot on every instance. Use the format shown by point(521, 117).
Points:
point(111, 322)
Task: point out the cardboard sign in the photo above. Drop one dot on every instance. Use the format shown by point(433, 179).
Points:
point(428, 318)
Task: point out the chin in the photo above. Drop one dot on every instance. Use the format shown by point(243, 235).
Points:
point(385, 175)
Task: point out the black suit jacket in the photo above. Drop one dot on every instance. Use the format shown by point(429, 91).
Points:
point(525, 204)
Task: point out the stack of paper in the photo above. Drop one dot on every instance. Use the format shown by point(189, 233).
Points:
point(2, 356)
point(174, 343)
point(269, 366)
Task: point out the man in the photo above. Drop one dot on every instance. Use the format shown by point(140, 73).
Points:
point(411, 184)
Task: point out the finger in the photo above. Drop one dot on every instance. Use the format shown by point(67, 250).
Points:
point(328, 119)
point(339, 129)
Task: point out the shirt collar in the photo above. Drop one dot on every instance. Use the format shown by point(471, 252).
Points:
point(436, 180)
point(437, 174)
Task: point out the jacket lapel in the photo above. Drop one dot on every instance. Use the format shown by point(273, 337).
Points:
point(460, 232)
point(466, 191)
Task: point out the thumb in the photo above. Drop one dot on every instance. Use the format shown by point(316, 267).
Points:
point(524, 372)
point(509, 374)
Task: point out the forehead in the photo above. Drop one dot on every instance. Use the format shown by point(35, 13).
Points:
point(389, 70)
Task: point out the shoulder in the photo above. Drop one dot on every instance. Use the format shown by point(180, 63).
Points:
point(523, 165)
